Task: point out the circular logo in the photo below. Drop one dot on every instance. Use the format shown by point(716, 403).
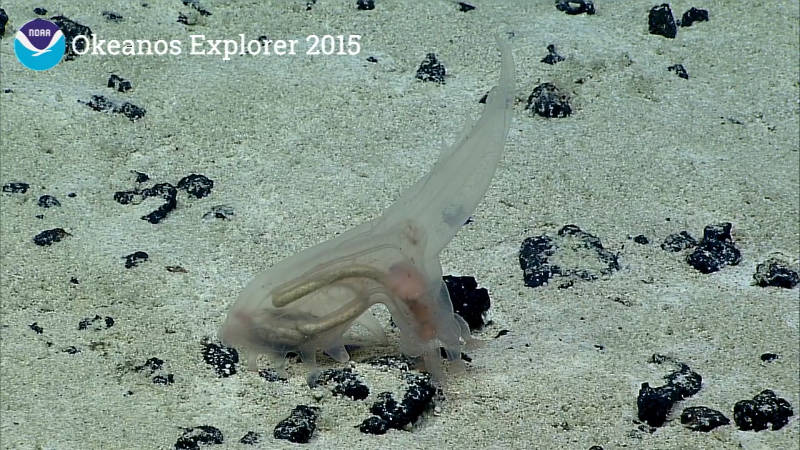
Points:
point(39, 44)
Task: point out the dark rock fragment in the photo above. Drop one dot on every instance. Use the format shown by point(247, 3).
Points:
point(548, 101)
point(223, 359)
point(365, 5)
point(679, 71)
point(654, 404)
point(693, 15)
point(701, 418)
point(469, 301)
point(431, 70)
point(47, 237)
point(104, 104)
point(16, 187)
point(3, 22)
point(764, 409)
point(774, 272)
point(48, 201)
point(399, 414)
point(251, 438)
point(678, 241)
point(533, 260)
point(135, 258)
point(119, 83)
point(769, 357)
point(167, 192)
point(661, 22)
point(537, 254)
point(299, 426)
point(71, 30)
point(715, 250)
point(465, 7)
point(195, 4)
point(573, 7)
point(96, 323)
point(193, 438)
point(112, 16)
point(374, 425)
point(347, 382)
point(552, 55)
point(196, 185)
point(223, 212)
point(685, 381)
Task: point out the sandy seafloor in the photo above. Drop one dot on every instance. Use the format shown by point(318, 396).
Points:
point(303, 148)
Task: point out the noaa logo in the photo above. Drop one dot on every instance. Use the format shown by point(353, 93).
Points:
point(39, 44)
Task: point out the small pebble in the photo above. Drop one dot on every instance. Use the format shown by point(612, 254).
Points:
point(48, 201)
point(693, 15)
point(271, 375)
point(679, 70)
point(195, 4)
point(552, 56)
point(47, 237)
point(140, 176)
point(769, 357)
point(678, 241)
point(573, 7)
point(119, 83)
point(223, 212)
point(251, 438)
point(365, 5)
point(135, 258)
point(431, 70)
point(16, 187)
point(465, 7)
point(96, 323)
point(112, 16)
point(152, 365)
point(223, 359)
point(347, 382)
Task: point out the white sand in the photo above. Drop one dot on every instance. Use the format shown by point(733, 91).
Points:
point(304, 148)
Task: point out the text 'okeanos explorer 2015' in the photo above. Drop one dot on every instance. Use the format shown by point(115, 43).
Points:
point(198, 45)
